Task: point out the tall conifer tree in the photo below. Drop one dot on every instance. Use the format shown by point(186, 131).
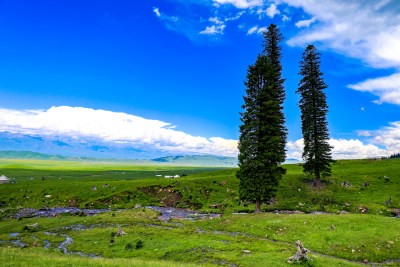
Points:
point(314, 108)
point(263, 134)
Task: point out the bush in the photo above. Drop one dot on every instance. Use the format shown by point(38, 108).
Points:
point(129, 246)
point(139, 244)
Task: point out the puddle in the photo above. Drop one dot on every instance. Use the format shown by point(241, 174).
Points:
point(14, 234)
point(170, 212)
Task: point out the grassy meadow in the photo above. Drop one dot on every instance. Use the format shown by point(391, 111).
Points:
point(366, 229)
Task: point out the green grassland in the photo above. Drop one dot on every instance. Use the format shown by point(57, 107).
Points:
point(369, 232)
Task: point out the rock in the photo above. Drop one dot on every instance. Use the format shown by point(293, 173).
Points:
point(105, 185)
point(332, 227)
point(120, 232)
point(301, 253)
point(346, 184)
point(94, 188)
point(138, 206)
point(362, 209)
point(246, 251)
point(365, 261)
point(32, 226)
point(213, 206)
point(344, 212)
point(388, 201)
point(47, 196)
point(223, 183)
point(35, 244)
point(301, 204)
point(365, 184)
point(347, 204)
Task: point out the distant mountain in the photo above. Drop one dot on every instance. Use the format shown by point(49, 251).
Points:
point(201, 161)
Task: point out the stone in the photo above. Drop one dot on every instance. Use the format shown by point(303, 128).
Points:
point(94, 188)
point(344, 212)
point(47, 196)
point(346, 184)
point(365, 184)
point(35, 244)
point(332, 227)
point(301, 204)
point(347, 204)
point(105, 185)
point(120, 232)
point(300, 255)
point(223, 182)
point(213, 206)
point(138, 206)
point(246, 251)
point(32, 226)
point(388, 201)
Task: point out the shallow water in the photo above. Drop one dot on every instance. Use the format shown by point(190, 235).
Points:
point(170, 212)
point(51, 212)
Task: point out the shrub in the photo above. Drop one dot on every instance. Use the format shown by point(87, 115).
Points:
point(129, 246)
point(139, 244)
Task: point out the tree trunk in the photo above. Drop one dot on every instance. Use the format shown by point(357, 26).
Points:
point(317, 180)
point(258, 206)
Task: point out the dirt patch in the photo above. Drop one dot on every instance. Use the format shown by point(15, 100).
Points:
point(166, 195)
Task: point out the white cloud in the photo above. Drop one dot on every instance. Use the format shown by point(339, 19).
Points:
point(389, 137)
point(156, 11)
point(214, 29)
point(386, 88)
point(243, 4)
point(286, 18)
point(305, 23)
point(216, 20)
point(271, 11)
point(367, 30)
point(257, 30)
point(252, 30)
point(342, 149)
point(108, 126)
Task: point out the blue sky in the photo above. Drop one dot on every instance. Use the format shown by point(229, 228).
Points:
point(169, 74)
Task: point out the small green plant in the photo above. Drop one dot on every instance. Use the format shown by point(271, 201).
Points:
point(139, 244)
point(112, 234)
point(113, 214)
point(129, 247)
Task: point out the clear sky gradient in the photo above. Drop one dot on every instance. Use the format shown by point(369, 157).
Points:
point(183, 62)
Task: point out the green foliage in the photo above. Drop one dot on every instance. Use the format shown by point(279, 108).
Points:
point(139, 244)
point(314, 108)
point(263, 134)
point(129, 246)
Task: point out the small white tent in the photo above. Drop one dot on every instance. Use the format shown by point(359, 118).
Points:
point(4, 180)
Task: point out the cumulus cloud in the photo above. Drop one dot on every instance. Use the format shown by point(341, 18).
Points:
point(342, 149)
point(305, 23)
point(243, 4)
point(367, 30)
point(271, 11)
point(81, 123)
point(389, 137)
point(386, 88)
point(257, 30)
point(214, 29)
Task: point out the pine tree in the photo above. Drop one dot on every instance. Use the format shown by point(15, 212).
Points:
point(314, 108)
point(263, 134)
